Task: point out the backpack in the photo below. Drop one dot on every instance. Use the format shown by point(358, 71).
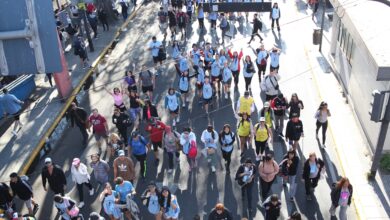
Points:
point(193, 151)
point(258, 126)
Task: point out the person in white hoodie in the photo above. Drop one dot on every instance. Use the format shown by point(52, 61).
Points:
point(185, 140)
point(270, 86)
point(81, 177)
point(210, 139)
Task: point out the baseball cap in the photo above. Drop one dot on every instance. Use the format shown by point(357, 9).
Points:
point(48, 160)
point(76, 161)
point(121, 153)
point(266, 105)
point(262, 119)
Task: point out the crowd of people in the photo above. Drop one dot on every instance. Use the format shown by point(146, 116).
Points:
point(211, 71)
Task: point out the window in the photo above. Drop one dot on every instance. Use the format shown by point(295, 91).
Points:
point(346, 42)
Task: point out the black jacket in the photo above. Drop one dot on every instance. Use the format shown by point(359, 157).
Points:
point(78, 115)
point(257, 25)
point(5, 194)
point(273, 211)
point(22, 189)
point(121, 121)
point(241, 170)
point(335, 195)
point(294, 130)
point(57, 180)
point(306, 168)
point(293, 169)
point(153, 112)
point(225, 215)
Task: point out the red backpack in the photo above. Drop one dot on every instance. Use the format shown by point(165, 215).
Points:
point(193, 151)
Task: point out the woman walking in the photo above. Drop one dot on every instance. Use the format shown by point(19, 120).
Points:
point(216, 76)
point(169, 206)
point(66, 207)
point(235, 60)
point(289, 168)
point(152, 196)
point(109, 198)
point(129, 81)
point(226, 79)
point(137, 146)
point(207, 94)
point(341, 195)
point(322, 115)
point(244, 131)
point(117, 95)
point(226, 140)
point(263, 136)
point(81, 177)
point(187, 138)
point(295, 105)
point(114, 145)
point(268, 169)
point(312, 170)
point(248, 71)
point(172, 103)
point(122, 122)
point(170, 142)
point(210, 138)
point(135, 106)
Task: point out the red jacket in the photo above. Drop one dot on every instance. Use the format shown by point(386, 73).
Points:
point(156, 131)
point(239, 57)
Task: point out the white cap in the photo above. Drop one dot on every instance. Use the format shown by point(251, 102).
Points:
point(48, 160)
point(121, 153)
point(262, 119)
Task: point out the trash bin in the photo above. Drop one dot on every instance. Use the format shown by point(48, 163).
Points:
point(316, 36)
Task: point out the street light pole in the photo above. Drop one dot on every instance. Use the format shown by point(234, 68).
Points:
point(381, 141)
point(322, 23)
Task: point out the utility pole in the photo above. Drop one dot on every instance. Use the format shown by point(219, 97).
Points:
point(381, 140)
point(322, 23)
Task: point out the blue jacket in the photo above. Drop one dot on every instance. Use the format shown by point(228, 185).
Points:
point(10, 104)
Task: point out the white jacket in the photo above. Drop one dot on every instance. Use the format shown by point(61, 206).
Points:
point(80, 175)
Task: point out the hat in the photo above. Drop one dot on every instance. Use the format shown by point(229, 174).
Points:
point(266, 105)
point(152, 183)
point(48, 160)
point(262, 119)
point(246, 93)
point(76, 161)
point(134, 134)
point(121, 153)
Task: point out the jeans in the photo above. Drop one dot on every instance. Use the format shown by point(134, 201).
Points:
point(248, 81)
point(134, 112)
point(84, 132)
point(80, 190)
point(246, 194)
point(279, 123)
point(277, 23)
point(255, 34)
point(212, 158)
point(309, 184)
point(170, 158)
point(265, 187)
point(324, 128)
point(293, 185)
point(142, 161)
point(342, 212)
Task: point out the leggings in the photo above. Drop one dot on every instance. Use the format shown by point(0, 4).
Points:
point(235, 76)
point(80, 190)
point(265, 187)
point(227, 157)
point(310, 183)
point(260, 146)
point(142, 160)
point(248, 81)
point(170, 158)
point(324, 128)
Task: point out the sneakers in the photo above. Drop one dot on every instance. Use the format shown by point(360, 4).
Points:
point(226, 96)
point(177, 119)
point(81, 205)
point(174, 123)
point(213, 169)
point(170, 171)
point(183, 105)
point(14, 133)
point(258, 158)
point(35, 209)
point(91, 192)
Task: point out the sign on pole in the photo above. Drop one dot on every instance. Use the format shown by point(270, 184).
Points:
point(28, 38)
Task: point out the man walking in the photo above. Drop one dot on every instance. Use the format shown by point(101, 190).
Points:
point(257, 26)
point(23, 190)
point(11, 106)
point(79, 117)
point(53, 174)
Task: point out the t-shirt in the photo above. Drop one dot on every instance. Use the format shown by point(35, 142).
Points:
point(153, 206)
point(98, 124)
point(162, 15)
point(146, 78)
point(313, 170)
point(125, 168)
point(124, 189)
point(155, 46)
point(344, 197)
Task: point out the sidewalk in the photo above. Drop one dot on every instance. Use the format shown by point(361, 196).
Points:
point(351, 148)
point(45, 107)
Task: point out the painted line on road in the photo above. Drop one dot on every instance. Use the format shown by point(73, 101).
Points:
point(356, 202)
point(70, 99)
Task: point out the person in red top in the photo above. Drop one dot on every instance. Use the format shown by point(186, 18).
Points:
point(99, 127)
point(156, 129)
point(235, 64)
point(90, 8)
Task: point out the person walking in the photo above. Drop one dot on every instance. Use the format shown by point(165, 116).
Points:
point(312, 169)
point(268, 114)
point(117, 95)
point(224, 26)
point(226, 140)
point(184, 86)
point(295, 105)
point(101, 169)
point(275, 15)
point(171, 141)
point(220, 212)
point(274, 55)
point(227, 76)
point(156, 129)
point(55, 176)
point(322, 115)
point(210, 139)
point(289, 169)
point(66, 207)
point(261, 61)
point(122, 121)
point(152, 195)
point(114, 144)
point(22, 188)
point(135, 107)
point(268, 170)
point(257, 26)
point(162, 17)
point(93, 22)
point(102, 15)
point(169, 205)
point(294, 131)
point(188, 140)
point(272, 206)
point(207, 94)
point(137, 146)
point(270, 86)
point(81, 51)
point(248, 71)
point(124, 167)
point(246, 104)
point(79, 117)
point(200, 13)
point(235, 61)
point(244, 177)
point(147, 79)
point(262, 136)
point(124, 189)
point(172, 103)
point(124, 8)
point(154, 47)
point(279, 105)
point(149, 110)
point(99, 127)
point(81, 177)
point(244, 132)
point(11, 106)
point(109, 198)
point(341, 196)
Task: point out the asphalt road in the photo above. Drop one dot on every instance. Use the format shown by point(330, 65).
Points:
point(199, 191)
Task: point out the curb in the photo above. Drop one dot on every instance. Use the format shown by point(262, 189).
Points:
point(23, 170)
